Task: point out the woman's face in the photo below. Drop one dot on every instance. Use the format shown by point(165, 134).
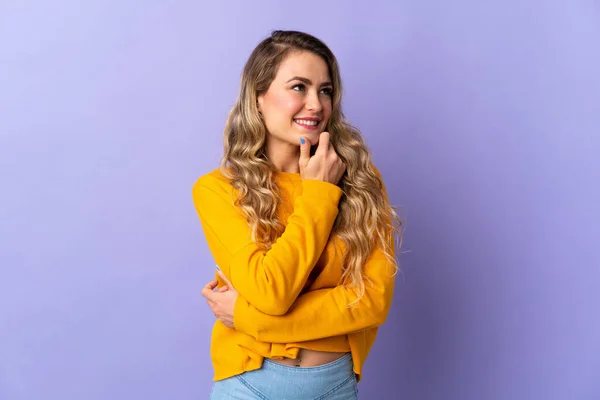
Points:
point(298, 101)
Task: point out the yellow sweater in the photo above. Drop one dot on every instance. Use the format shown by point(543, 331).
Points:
point(289, 296)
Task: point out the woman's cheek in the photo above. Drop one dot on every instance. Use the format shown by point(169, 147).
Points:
point(291, 104)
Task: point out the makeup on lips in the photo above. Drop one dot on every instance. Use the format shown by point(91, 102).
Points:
point(308, 123)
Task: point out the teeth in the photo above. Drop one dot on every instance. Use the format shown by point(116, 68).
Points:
point(305, 122)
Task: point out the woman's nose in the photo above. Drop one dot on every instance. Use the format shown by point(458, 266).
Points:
point(313, 102)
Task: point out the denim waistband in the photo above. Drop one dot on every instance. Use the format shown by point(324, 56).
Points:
point(343, 363)
point(274, 381)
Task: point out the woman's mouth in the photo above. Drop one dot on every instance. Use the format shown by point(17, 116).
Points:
point(308, 123)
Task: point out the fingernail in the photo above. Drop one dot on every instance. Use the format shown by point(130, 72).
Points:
point(218, 269)
point(302, 140)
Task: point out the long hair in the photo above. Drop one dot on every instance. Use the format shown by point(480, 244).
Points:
point(365, 220)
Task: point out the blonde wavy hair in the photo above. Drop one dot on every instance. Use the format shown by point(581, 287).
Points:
point(365, 219)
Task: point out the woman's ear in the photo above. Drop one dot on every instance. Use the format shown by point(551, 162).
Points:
point(259, 101)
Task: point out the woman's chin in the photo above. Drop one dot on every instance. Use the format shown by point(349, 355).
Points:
point(312, 137)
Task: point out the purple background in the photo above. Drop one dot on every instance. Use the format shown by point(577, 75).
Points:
point(483, 118)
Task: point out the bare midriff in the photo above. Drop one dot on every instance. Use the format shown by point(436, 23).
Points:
point(310, 358)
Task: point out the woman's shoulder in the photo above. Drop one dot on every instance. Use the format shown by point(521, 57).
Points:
point(372, 165)
point(214, 180)
point(379, 178)
point(376, 171)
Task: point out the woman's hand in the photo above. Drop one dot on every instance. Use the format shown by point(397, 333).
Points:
point(222, 301)
point(325, 165)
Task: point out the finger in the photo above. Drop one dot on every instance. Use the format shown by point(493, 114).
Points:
point(342, 169)
point(323, 143)
point(304, 152)
point(332, 155)
point(222, 275)
point(208, 293)
point(208, 290)
point(211, 285)
point(223, 289)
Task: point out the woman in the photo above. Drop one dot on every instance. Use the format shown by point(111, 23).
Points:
point(299, 223)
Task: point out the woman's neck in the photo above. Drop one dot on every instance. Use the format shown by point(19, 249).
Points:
point(284, 156)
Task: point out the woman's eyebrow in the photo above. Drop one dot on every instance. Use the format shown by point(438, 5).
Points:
point(307, 81)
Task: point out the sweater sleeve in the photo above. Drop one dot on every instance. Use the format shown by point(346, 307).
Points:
point(271, 280)
point(326, 312)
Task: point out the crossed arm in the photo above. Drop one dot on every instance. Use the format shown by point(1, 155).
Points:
point(269, 281)
point(263, 288)
point(314, 315)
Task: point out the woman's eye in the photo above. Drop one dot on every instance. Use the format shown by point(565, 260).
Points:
point(298, 87)
point(327, 91)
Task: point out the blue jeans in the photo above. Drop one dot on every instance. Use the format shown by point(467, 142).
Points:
point(332, 381)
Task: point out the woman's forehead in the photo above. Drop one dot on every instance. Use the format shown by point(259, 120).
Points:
point(305, 65)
